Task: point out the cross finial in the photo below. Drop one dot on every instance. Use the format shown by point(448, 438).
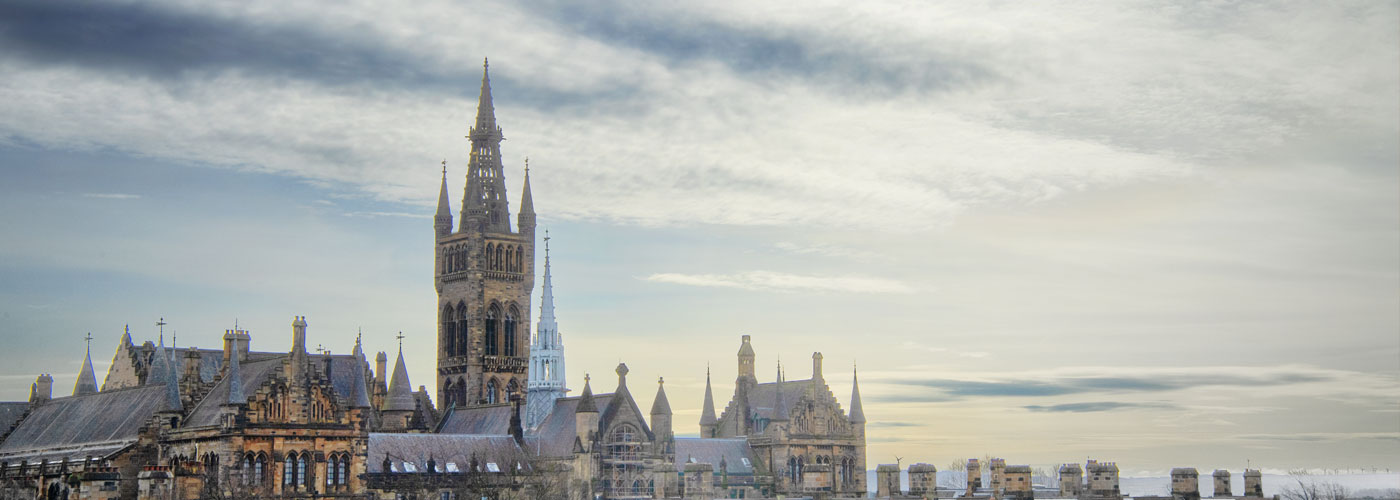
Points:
point(88, 338)
point(400, 337)
point(527, 165)
point(162, 324)
point(359, 332)
point(660, 380)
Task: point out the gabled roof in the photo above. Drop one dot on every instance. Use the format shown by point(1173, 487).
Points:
point(494, 419)
point(443, 449)
point(78, 426)
point(620, 401)
point(732, 452)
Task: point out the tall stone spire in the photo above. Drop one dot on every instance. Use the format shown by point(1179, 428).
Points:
point(87, 381)
point(780, 409)
point(235, 375)
point(400, 390)
point(484, 204)
point(857, 414)
point(442, 221)
point(707, 415)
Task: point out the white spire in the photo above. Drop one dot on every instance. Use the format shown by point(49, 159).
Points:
point(546, 371)
point(547, 333)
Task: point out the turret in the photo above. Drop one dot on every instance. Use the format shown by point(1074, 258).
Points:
point(87, 380)
point(399, 405)
point(361, 399)
point(381, 387)
point(746, 368)
point(525, 221)
point(708, 422)
point(442, 221)
point(661, 420)
point(586, 414)
point(857, 415)
point(780, 405)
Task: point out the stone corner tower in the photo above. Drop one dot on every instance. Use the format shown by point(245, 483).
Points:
point(484, 274)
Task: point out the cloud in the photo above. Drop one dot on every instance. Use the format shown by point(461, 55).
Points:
point(112, 196)
point(1108, 381)
point(1097, 406)
point(783, 282)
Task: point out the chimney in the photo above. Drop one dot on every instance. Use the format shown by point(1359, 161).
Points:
point(42, 390)
point(817, 367)
point(516, 430)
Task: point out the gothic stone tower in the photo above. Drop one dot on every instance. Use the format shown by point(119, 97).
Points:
point(485, 274)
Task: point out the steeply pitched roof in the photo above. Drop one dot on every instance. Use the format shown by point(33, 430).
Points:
point(732, 452)
point(78, 426)
point(494, 419)
point(659, 405)
point(555, 435)
point(87, 381)
point(443, 449)
point(857, 413)
point(763, 398)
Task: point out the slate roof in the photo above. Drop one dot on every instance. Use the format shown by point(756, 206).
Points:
point(733, 452)
point(763, 397)
point(256, 371)
point(443, 449)
point(494, 419)
point(78, 426)
point(555, 435)
point(10, 412)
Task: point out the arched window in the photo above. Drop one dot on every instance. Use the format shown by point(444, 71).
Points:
point(509, 335)
point(499, 255)
point(449, 331)
point(519, 259)
point(302, 471)
point(332, 468)
point(248, 469)
point(492, 391)
point(490, 252)
point(463, 338)
point(289, 470)
point(491, 315)
point(260, 469)
point(462, 391)
point(449, 394)
point(342, 475)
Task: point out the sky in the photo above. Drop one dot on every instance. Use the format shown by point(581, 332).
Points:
point(1158, 233)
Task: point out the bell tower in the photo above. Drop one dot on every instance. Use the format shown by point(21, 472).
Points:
point(484, 273)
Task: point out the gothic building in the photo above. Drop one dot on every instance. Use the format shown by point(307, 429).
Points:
point(485, 274)
point(237, 423)
point(797, 427)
